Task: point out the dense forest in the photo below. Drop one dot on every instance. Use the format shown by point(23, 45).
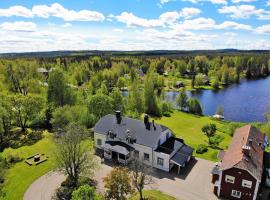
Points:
point(40, 93)
point(50, 92)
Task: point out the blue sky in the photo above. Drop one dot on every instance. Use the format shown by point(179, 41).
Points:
point(39, 25)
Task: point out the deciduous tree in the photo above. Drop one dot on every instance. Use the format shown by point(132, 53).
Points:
point(85, 192)
point(74, 154)
point(118, 184)
point(182, 100)
point(100, 105)
point(26, 108)
point(59, 94)
point(209, 130)
point(140, 175)
point(150, 99)
point(194, 106)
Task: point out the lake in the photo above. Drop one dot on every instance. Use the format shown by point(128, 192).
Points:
point(248, 101)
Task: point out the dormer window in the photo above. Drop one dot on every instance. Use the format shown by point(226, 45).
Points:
point(129, 138)
point(111, 135)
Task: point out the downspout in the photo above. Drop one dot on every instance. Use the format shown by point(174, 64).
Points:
point(152, 157)
point(219, 186)
point(256, 190)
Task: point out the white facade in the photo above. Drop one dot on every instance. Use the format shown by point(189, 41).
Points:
point(154, 157)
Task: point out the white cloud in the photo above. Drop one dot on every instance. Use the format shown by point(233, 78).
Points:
point(18, 11)
point(245, 1)
point(197, 24)
point(234, 25)
point(189, 12)
point(131, 20)
point(19, 26)
point(51, 24)
point(230, 34)
point(118, 30)
point(44, 39)
point(54, 10)
point(210, 24)
point(219, 1)
point(268, 3)
point(164, 1)
point(244, 12)
point(197, 1)
point(167, 18)
point(67, 25)
point(57, 10)
point(264, 29)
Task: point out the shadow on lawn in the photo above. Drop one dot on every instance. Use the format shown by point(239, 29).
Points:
point(17, 138)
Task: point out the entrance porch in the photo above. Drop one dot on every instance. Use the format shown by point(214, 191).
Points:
point(118, 151)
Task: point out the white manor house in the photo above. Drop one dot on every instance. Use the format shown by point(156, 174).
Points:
point(121, 138)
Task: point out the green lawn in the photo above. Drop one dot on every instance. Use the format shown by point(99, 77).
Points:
point(153, 195)
point(20, 176)
point(188, 127)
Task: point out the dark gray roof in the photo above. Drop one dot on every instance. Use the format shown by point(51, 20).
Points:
point(170, 145)
point(119, 147)
point(136, 129)
point(186, 150)
point(181, 156)
point(180, 159)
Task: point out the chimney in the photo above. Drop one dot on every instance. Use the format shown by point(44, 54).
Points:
point(118, 116)
point(250, 142)
point(246, 150)
point(146, 122)
point(153, 122)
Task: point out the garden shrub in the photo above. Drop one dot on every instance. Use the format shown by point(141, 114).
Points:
point(216, 140)
point(201, 149)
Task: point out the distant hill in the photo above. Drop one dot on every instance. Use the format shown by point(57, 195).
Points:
point(133, 53)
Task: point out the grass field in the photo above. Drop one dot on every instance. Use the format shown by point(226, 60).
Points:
point(188, 127)
point(153, 195)
point(20, 176)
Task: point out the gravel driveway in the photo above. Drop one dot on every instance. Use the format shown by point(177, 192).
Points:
point(44, 187)
point(193, 184)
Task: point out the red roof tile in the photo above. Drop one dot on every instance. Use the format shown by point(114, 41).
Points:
point(251, 160)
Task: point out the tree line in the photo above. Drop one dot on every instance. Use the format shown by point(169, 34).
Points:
point(52, 92)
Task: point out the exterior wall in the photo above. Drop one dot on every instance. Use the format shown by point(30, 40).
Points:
point(166, 162)
point(153, 156)
point(239, 174)
point(142, 149)
point(99, 136)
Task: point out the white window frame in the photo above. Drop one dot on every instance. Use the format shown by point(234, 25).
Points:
point(246, 183)
point(99, 142)
point(144, 157)
point(236, 194)
point(229, 179)
point(160, 161)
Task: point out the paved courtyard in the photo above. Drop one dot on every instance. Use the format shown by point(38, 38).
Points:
point(194, 183)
